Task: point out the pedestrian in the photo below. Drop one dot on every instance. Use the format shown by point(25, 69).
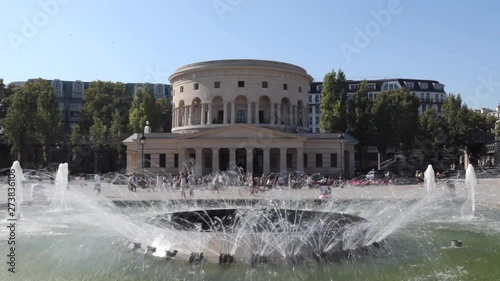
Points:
point(182, 181)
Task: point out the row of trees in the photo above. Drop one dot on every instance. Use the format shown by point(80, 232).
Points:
point(30, 115)
point(392, 119)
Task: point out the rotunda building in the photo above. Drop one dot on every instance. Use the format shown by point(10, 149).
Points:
point(245, 114)
point(214, 94)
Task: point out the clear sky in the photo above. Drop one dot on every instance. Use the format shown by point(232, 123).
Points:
point(456, 42)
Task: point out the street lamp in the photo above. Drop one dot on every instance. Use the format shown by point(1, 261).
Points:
point(341, 138)
point(143, 142)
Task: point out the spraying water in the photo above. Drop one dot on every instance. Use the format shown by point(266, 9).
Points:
point(429, 179)
point(62, 185)
point(471, 182)
point(19, 182)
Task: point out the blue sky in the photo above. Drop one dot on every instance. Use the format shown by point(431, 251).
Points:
point(453, 41)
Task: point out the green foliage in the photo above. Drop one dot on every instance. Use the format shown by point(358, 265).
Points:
point(5, 93)
point(47, 120)
point(117, 132)
point(455, 117)
point(333, 104)
point(360, 115)
point(98, 139)
point(22, 105)
point(395, 116)
point(75, 139)
point(146, 108)
point(102, 99)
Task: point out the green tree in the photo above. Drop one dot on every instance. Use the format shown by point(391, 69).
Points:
point(395, 117)
point(327, 119)
point(360, 115)
point(340, 95)
point(5, 93)
point(143, 109)
point(360, 124)
point(98, 140)
point(101, 100)
point(75, 142)
point(117, 133)
point(47, 119)
point(18, 125)
point(429, 136)
point(165, 114)
point(455, 117)
point(333, 104)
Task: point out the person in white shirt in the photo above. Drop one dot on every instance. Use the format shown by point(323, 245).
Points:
point(97, 179)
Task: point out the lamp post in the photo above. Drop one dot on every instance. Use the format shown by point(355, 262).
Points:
point(341, 138)
point(143, 142)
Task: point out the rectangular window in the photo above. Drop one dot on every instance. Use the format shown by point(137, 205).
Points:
point(274, 160)
point(371, 86)
point(333, 160)
point(181, 89)
point(196, 86)
point(288, 160)
point(147, 160)
point(409, 85)
point(264, 84)
point(208, 160)
point(316, 99)
point(285, 86)
point(163, 160)
point(353, 87)
point(424, 86)
point(319, 160)
point(241, 116)
point(319, 88)
point(305, 160)
point(176, 160)
point(241, 84)
point(217, 84)
point(300, 89)
point(310, 98)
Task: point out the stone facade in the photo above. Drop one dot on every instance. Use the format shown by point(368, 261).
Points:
point(246, 113)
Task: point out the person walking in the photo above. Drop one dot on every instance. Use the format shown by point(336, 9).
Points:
point(183, 184)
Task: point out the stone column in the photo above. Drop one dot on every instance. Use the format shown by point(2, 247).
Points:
point(173, 118)
point(279, 114)
point(209, 114)
point(257, 113)
point(250, 160)
point(294, 115)
point(203, 121)
point(184, 123)
point(215, 160)
point(233, 112)
point(182, 156)
point(300, 159)
point(283, 159)
point(198, 167)
point(266, 162)
point(351, 164)
point(232, 158)
point(249, 113)
point(191, 111)
point(272, 114)
point(225, 112)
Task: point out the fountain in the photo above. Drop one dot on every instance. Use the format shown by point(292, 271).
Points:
point(471, 182)
point(430, 179)
point(291, 236)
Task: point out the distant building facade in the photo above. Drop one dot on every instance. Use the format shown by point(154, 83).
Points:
point(70, 96)
point(431, 94)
